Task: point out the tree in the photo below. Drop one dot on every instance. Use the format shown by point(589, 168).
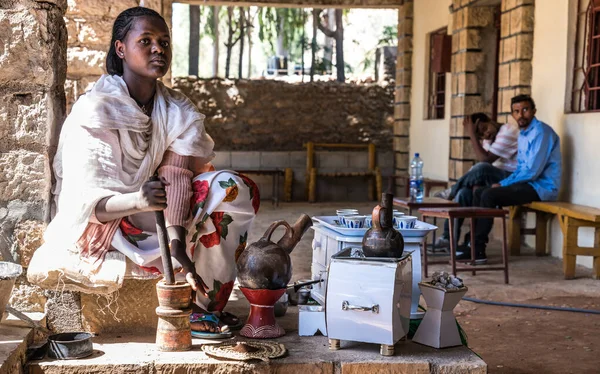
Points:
point(232, 31)
point(313, 44)
point(338, 35)
point(194, 48)
point(242, 28)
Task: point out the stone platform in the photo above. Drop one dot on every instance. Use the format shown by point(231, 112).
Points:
point(135, 353)
point(306, 355)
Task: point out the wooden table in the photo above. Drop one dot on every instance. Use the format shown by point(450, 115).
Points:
point(427, 202)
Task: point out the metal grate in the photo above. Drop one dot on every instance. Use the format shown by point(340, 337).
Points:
point(437, 79)
point(586, 72)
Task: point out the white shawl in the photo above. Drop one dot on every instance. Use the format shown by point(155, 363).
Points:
point(108, 146)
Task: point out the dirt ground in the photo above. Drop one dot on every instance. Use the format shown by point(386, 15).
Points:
point(510, 340)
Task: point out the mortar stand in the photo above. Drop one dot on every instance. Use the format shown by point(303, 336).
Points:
point(174, 332)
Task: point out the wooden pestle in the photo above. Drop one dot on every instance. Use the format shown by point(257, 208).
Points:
point(163, 241)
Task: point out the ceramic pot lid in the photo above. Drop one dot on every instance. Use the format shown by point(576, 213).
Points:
point(245, 350)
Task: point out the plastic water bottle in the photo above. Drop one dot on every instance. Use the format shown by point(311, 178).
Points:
point(416, 178)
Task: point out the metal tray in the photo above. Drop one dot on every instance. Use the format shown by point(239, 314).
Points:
point(331, 222)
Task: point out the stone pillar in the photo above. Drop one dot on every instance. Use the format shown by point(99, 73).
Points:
point(403, 90)
point(468, 65)
point(32, 109)
point(516, 52)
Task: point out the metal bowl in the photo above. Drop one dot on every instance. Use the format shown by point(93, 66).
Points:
point(70, 345)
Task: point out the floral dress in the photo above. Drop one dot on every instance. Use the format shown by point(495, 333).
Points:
point(223, 205)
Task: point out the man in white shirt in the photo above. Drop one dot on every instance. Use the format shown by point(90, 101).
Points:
point(495, 147)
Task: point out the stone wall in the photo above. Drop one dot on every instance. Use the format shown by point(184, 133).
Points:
point(267, 115)
point(32, 108)
point(89, 25)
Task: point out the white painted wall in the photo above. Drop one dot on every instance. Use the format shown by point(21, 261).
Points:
point(579, 133)
point(428, 137)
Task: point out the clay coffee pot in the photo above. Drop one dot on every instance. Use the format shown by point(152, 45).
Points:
point(264, 270)
point(267, 265)
point(382, 240)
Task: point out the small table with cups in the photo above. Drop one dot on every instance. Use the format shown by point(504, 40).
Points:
point(427, 202)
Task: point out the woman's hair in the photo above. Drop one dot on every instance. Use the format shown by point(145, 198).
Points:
point(122, 25)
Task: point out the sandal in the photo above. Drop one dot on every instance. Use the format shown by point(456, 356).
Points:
point(208, 317)
point(232, 326)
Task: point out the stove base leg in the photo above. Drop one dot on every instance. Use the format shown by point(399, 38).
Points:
point(334, 344)
point(386, 350)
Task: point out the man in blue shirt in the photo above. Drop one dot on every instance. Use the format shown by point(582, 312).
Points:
point(537, 177)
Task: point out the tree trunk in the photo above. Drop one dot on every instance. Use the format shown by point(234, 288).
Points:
point(328, 48)
point(313, 44)
point(194, 51)
point(250, 21)
point(229, 44)
point(339, 45)
point(215, 20)
point(242, 28)
point(302, 41)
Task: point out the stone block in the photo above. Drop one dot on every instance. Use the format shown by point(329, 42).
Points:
point(402, 160)
point(505, 25)
point(462, 167)
point(454, 84)
point(520, 73)
point(458, 19)
point(403, 77)
point(401, 143)
point(28, 298)
point(467, 61)
point(467, 83)
point(29, 47)
point(504, 77)
point(469, 39)
point(245, 160)
point(402, 127)
point(24, 175)
point(402, 111)
point(334, 160)
point(298, 160)
point(456, 127)
point(385, 160)
point(405, 44)
point(508, 5)
point(82, 62)
point(122, 313)
point(99, 8)
point(462, 105)
point(358, 161)
point(504, 100)
point(384, 368)
point(24, 118)
point(94, 32)
point(404, 60)
point(222, 160)
point(406, 27)
point(479, 16)
point(402, 95)
point(274, 160)
point(521, 19)
point(452, 170)
point(523, 91)
point(524, 47)
point(509, 49)
point(28, 237)
point(63, 310)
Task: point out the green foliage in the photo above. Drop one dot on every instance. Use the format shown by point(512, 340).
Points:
point(287, 23)
point(389, 37)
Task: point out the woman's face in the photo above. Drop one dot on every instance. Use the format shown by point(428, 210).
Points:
point(146, 50)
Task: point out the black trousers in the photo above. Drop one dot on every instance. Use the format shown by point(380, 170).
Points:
point(515, 194)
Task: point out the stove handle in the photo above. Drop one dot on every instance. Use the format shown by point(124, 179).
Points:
point(346, 306)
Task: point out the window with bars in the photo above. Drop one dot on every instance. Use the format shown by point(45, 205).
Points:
point(585, 96)
point(440, 54)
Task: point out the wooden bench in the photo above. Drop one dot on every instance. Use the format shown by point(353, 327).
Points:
point(372, 172)
point(571, 218)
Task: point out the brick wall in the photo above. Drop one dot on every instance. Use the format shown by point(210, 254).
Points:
point(403, 91)
point(468, 78)
point(516, 49)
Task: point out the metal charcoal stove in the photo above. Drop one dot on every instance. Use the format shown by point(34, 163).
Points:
point(368, 299)
point(330, 238)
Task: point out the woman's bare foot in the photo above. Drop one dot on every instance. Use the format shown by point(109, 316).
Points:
point(204, 321)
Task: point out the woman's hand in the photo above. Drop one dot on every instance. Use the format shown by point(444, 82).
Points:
point(152, 196)
point(191, 276)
